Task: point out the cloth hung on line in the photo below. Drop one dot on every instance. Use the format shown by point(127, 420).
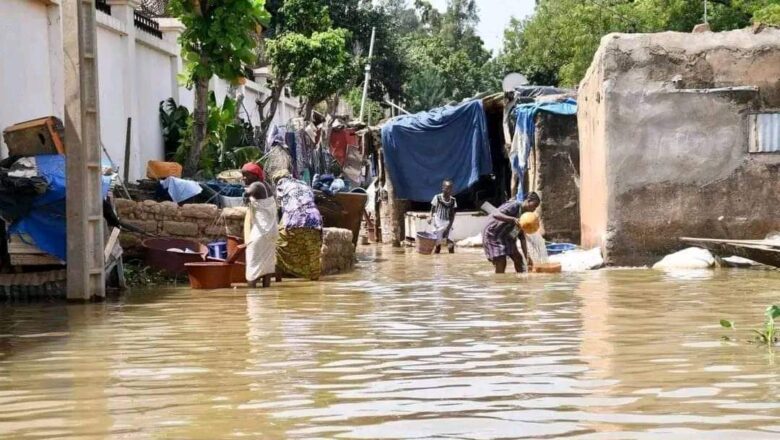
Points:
point(423, 149)
point(45, 223)
point(340, 141)
point(181, 189)
point(261, 231)
point(524, 134)
point(289, 140)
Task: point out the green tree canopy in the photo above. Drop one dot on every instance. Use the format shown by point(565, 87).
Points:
point(218, 39)
point(556, 44)
point(446, 58)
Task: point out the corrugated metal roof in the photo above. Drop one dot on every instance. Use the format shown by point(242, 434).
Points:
point(765, 133)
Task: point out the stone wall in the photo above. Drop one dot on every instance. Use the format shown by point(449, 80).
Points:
point(664, 134)
point(205, 223)
point(554, 173)
point(200, 222)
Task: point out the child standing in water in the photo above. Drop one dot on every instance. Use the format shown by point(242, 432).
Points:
point(443, 208)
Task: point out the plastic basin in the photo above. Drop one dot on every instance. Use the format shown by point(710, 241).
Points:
point(209, 275)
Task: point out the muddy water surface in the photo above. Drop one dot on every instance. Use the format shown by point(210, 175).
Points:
point(406, 347)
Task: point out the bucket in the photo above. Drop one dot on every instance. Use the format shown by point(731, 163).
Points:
point(232, 246)
point(547, 268)
point(209, 275)
point(558, 248)
point(218, 250)
point(426, 241)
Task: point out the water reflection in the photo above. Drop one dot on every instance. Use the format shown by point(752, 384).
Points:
point(409, 347)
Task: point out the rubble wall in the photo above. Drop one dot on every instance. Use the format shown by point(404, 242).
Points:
point(554, 173)
point(198, 221)
point(675, 140)
point(205, 223)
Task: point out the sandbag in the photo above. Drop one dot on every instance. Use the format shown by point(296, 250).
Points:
point(690, 258)
point(475, 241)
point(579, 260)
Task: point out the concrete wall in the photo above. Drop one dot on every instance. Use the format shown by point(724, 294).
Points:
point(554, 173)
point(26, 72)
point(665, 145)
point(136, 71)
point(591, 123)
point(113, 111)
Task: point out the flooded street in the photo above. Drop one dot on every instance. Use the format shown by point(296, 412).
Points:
point(408, 346)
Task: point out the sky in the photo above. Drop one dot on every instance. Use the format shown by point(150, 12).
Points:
point(494, 15)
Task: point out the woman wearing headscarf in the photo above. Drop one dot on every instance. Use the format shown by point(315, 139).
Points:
point(300, 231)
point(260, 226)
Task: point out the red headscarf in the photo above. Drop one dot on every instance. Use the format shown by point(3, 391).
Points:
point(253, 168)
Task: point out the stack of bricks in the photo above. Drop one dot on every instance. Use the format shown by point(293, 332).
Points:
point(198, 221)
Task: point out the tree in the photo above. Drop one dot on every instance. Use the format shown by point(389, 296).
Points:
point(447, 59)
point(217, 40)
point(315, 66)
point(555, 46)
point(305, 52)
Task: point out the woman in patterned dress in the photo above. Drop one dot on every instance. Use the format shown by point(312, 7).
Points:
point(300, 230)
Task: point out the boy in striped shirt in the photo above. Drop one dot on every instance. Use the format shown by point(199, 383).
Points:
point(443, 208)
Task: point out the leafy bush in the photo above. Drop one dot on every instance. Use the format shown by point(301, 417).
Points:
point(173, 119)
point(229, 140)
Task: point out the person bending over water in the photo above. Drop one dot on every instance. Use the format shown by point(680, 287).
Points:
point(300, 231)
point(499, 237)
point(260, 226)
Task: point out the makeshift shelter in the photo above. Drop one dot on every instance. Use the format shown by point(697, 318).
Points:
point(424, 149)
point(544, 154)
point(463, 143)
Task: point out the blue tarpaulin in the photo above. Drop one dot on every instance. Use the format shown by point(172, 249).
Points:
point(423, 149)
point(524, 133)
point(45, 224)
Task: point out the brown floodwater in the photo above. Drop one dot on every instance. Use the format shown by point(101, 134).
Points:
point(407, 346)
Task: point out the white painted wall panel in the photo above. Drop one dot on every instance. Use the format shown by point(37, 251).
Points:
point(153, 84)
point(111, 76)
point(25, 72)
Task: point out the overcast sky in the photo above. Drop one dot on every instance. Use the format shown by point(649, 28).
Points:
point(494, 15)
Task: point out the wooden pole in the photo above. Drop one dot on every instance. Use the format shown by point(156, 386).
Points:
point(367, 79)
point(128, 135)
point(85, 270)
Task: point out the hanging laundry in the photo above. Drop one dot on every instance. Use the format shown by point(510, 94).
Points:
point(339, 141)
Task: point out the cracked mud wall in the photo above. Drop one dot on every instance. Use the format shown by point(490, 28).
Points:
point(554, 172)
point(665, 150)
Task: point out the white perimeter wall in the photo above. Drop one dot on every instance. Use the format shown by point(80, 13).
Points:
point(135, 72)
point(25, 65)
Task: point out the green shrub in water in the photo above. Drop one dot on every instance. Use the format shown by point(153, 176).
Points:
point(767, 335)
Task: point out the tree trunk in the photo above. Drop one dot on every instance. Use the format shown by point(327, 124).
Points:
point(307, 110)
point(200, 127)
point(396, 212)
point(273, 103)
